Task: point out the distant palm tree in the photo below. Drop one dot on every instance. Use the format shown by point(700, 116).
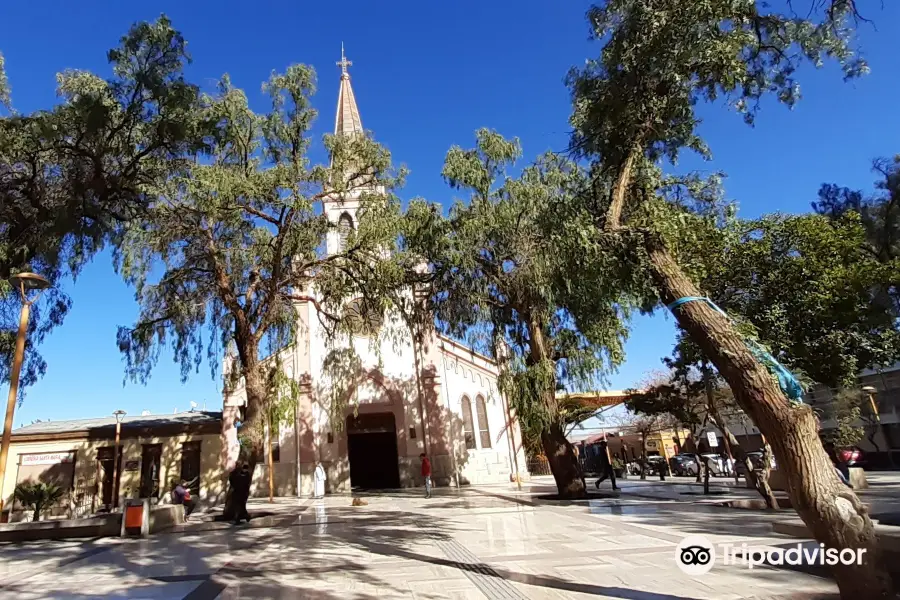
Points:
point(40, 496)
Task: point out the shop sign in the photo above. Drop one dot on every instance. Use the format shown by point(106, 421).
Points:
point(47, 458)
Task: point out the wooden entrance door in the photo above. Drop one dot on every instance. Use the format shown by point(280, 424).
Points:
point(151, 456)
point(105, 466)
point(190, 466)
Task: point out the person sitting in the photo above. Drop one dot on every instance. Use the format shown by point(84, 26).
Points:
point(181, 494)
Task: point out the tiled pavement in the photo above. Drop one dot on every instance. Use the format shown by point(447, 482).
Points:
point(469, 544)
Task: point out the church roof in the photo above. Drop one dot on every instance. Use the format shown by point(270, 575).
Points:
point(347, 121)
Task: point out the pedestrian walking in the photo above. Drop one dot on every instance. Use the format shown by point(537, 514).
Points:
point(426, 473)
point(603, 465)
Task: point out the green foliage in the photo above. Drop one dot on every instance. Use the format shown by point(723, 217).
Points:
point(845, 410)
point(342, 369)
point(38, 496)
point(683, 400)
point(659, 58)
point(880, 216)
point(509, 266)
point(282, 398)
point(802, 286)
point(236, 238)
point(70, 175)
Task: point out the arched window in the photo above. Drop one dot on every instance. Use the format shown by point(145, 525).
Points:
point(468, 425)
point(483, 430)
point(345, 227)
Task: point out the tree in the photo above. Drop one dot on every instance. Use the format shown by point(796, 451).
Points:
point(38, 496)
point(70, 176)
point(235, 241)
point(803, 287)
point(635, 106)
point(505, 267)
point(880, 216)
point(846, 412)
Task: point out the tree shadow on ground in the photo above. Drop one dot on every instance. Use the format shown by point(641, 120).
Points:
point(350, 553)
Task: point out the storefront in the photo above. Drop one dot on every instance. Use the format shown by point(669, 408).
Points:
point(78, 456)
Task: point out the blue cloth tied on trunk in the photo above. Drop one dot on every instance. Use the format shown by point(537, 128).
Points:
point(786, 380)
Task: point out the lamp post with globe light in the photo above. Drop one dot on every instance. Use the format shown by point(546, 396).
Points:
point(29, 286)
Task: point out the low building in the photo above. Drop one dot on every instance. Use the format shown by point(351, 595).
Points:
point(78, 455)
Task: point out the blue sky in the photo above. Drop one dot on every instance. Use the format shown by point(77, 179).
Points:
point(426, 75)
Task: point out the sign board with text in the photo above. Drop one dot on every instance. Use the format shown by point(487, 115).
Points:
point(47, 458)
point(712, 439)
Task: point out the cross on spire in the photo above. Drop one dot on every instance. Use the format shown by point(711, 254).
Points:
point(344, 63)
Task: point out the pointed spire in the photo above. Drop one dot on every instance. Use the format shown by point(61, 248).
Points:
point(347, 121)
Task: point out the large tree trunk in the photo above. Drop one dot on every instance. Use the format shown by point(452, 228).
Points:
point(643, 456)
point(834, 514)
point(760, 480)
point(251, 429)
point(560, 453)
point(563, 463)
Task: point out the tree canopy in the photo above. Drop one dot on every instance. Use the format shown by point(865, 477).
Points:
point(72, 174)
point(509, 266)
point(235, 238)
point(802, 286)
point(880, 217)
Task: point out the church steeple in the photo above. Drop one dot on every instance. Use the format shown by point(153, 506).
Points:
point(347, 120)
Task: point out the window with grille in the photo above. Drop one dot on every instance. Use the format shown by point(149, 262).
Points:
point(483, 430)
point(468, 425)
point(345, 228)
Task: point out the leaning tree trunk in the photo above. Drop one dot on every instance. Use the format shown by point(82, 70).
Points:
point(563, 463)
point(834, 514)
point(760, 480)
point(560, 453)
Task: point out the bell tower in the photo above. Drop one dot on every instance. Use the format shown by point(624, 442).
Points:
point(342, 211)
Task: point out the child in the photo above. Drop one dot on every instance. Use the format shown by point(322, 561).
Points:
point(426, 473)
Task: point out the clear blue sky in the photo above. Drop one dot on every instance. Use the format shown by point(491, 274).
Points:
point(426, 75)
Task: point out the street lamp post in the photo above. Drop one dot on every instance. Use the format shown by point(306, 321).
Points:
point(23, 283)
point(871, 391)
point(115, 483)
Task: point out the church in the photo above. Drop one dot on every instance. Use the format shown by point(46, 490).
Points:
point(453, 412)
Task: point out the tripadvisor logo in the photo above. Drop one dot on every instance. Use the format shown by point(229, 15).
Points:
point(696, 555)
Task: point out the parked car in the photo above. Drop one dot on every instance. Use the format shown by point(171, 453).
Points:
point(852, 457)
point(684, 465)
point(756, 459)
point(718, 465)
point(655, 464)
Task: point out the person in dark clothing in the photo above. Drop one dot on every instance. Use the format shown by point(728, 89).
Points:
point(603, 465)
point(840, 466)
point(182, 495)
point(240, 481)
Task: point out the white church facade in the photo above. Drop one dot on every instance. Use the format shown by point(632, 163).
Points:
point(459, 419)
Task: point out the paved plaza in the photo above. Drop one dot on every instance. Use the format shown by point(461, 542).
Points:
point(487, 542)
